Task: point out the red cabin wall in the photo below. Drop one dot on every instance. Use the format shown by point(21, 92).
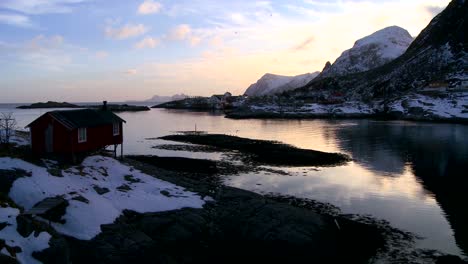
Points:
point(61, 142)
point(97, 137)
point(66, 141)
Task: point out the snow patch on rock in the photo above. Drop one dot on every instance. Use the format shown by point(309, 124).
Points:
point(122, 188)
point(12, 238)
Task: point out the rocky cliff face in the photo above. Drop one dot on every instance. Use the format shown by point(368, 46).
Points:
point(371, 52)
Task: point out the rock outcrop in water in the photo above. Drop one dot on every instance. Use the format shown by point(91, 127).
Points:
point(49, 104)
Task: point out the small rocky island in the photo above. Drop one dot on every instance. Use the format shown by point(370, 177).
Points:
point(110, 107)
point(263, 151)
point(48, 104)
point(122, 107)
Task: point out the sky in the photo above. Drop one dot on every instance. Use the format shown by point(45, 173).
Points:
point(94, 50)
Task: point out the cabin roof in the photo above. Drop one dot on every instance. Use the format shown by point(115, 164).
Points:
point(72, 119)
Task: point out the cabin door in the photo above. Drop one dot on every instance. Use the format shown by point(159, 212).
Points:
point(49, 139)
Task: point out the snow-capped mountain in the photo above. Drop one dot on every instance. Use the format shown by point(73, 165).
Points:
point(266, 84)
point(271, 83)
point(296, 82)
point(371, 52)
point(438, 56)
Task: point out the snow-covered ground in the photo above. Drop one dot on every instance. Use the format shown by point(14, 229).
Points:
point(13, 239)
point(347, 108)
point(124, 187)
point(453, 106)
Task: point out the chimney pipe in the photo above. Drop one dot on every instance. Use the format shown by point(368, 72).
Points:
point(104, 105)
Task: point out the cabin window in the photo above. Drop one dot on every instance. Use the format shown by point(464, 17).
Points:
point(116, 129)
point(82, 135)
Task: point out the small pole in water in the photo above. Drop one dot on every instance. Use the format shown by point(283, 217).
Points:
point(195, 127)
point(337, 225)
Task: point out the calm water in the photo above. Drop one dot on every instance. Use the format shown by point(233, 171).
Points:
point(413, 175)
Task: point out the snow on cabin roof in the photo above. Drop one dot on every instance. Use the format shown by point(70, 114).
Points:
point(82, 118)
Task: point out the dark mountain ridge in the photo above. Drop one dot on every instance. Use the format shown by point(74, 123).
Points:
point(439, 53)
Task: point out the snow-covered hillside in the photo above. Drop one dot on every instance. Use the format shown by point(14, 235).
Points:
point(370, 52)
point(367, 53)
point(271, 83)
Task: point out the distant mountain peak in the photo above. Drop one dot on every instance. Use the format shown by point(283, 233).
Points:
point(270, 83)
point(438, 54)
point(371, 52)
point(327, 66)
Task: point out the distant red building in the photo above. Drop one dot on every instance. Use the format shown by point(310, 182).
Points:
point(70, 132)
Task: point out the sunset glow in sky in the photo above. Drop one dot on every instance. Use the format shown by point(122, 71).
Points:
point(91, 50)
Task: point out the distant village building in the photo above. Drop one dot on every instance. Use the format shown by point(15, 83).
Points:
point(220, 101)
point(71, 132)
point(436, 86)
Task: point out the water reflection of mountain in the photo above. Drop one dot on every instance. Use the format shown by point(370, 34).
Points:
point(437, 154)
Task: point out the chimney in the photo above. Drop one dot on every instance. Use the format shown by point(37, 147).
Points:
point(104, 105)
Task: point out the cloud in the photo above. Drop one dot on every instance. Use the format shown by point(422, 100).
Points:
point(43, 43)
point(305, 44)
point(180, 32)
point(149, 7)
point(127, 31)
point(238, 18)
point(147, 42)
point(16, 20)
point(42, 53)
point(434, 10)
point(216, 41)
point(184, 32)
point(101, 54)
point(36, 7)
point(256, 38)
point(195, 41)
point(131, 71)
point(281, 43)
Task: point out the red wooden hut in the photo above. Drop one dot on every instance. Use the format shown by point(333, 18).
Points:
point(70, 132)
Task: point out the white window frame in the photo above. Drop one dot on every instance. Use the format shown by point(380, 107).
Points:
point(82, 137)
point(116, 129)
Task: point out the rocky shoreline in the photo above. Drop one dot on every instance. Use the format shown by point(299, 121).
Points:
point(240, 226)
point(395, 116)
point(255, 227)
point(263, 151)
point(233, 226)
point(424, 107)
